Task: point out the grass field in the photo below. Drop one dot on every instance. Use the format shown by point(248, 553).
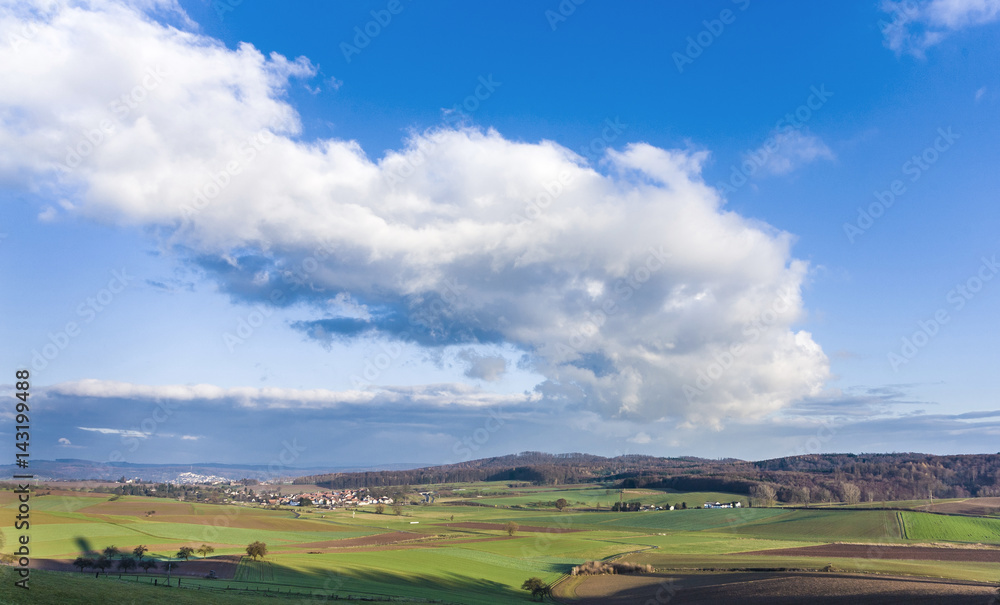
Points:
point(597, 497)
point(926, 526)
point(427, 554)
point(825, 524)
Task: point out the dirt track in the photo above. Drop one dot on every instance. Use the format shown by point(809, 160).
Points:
point(502, 527)
point(775, 589)
point(874, 551)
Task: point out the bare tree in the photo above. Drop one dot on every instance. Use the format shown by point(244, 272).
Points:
point(850, 492)
point(763, 495)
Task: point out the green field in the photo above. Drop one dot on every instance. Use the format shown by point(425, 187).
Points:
point(826, 524)
point(594, 497)
point(931, 527)
point(427, 554)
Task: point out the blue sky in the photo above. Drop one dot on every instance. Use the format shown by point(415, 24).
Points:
point(393, 231)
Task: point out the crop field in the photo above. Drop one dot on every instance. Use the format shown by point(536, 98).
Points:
point(826, 524)
point(926, 526)
point(450, 553)
point(250, 570)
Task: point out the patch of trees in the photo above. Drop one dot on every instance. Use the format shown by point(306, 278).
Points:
point(763, 494)
point(625, 507)
point(537, 588)
point(105, 560)
point(593, 568)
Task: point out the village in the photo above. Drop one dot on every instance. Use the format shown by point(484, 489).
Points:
point(325, 499)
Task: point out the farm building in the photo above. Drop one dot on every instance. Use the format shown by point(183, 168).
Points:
point(736, 504)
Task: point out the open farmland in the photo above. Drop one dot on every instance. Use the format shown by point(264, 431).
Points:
point(782, 588)
point(463, 554)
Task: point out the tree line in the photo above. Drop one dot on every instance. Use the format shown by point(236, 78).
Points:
point(802, 479)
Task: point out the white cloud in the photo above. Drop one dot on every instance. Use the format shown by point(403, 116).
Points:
point(785, 151)
point(277, 398)
point(913, 26)
point(65, 441)
point(678, 280)
point(122, 432)
point(640, 438)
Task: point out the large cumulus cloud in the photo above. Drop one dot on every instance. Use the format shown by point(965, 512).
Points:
point(627, 285)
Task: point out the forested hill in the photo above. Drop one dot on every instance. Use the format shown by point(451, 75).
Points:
point(810, 478)
point(535, 467)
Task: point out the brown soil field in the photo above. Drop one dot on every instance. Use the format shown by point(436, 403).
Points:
point(236, 518)
point(410, 545)
point(7, 496)
point(169, 548)
point(500, 527)
point(138, 509)
point(874, 551)
point(224, 566)
point(48, 518)
point(75, 484)
point(772, 589)
point(972, 506)
point(376, 540)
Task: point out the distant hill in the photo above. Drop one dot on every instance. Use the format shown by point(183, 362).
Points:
point(808, 478)
point(68, 469)
point(534, 467)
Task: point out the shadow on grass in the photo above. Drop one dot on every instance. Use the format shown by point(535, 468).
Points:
point(445, 587)
point(319, 584)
